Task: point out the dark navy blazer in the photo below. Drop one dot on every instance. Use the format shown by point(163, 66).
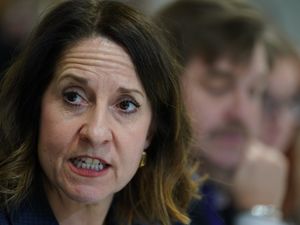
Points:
point(206, 212)
point(34, 210)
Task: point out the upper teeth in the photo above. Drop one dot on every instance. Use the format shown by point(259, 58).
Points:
point(88, 163)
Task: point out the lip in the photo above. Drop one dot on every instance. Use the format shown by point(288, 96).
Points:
point(230, 139)
point(88, 172)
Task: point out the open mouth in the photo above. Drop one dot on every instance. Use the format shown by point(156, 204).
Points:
point(89, 163)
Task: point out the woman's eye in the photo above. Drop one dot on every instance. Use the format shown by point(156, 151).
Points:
point(128, 106)
point(73, 98)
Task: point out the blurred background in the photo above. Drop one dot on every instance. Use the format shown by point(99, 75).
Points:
point(18, 17)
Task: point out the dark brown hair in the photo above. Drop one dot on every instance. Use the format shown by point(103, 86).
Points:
point(211, 28)
point(162, 189)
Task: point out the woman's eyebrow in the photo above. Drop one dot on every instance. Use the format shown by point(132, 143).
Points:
point(130, 90)
point(74, 77)
point(85, 81)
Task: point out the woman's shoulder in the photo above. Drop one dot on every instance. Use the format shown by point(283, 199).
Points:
point(33, 210)
point(3, 217)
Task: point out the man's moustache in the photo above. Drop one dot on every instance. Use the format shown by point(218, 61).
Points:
point(230, 128)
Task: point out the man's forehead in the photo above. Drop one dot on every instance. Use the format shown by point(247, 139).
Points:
point(237, 58)
point(256, 65)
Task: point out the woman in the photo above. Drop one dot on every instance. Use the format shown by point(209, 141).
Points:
point(281, 114)
point(90, 116)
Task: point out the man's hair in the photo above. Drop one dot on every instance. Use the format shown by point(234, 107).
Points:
point(211, 28)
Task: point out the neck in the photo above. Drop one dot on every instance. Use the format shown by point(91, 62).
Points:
point(82, 215)
point(70, 212)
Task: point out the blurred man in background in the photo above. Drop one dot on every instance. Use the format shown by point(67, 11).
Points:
point(221, 46)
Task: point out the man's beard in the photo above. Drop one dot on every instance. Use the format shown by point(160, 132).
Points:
point(218, 172)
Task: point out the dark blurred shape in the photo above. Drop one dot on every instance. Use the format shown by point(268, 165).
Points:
point(17, 18)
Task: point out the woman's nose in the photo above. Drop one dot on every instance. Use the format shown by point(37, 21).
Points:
point(96, 129)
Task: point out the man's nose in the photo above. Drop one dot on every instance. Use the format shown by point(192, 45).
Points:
point(239, 104)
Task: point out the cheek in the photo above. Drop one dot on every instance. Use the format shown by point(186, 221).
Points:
point(134, 140)
point(48, 145)
point(54, 136)
point(48, 161)
point(209, 115)
point(133, 143)
point(287, 127)
point(52, 132)
point(129, 153)
point(196, 106)
point(204, 116)
point(256, 107)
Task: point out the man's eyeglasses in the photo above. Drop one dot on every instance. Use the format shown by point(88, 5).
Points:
point(291, 104)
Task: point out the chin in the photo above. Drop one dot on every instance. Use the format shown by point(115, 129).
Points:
point(227, 161)
point(89, 195)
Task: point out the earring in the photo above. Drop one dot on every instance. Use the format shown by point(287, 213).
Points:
point(143, 159)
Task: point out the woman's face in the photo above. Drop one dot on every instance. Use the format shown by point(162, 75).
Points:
point(95, 120)
point(279, 118)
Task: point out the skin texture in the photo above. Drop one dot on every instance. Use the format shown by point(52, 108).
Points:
point(223, 101)
point(279, 119)
point(96, 107)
